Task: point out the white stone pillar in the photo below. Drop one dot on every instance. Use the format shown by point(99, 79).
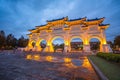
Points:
point(49, 47)
point(29, 45)
point(106, 48)
point(86, 48)
point(46, 49)
point(69, 48)
point(66, 48)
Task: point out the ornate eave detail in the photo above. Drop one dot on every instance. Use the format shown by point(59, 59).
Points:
point(64, 21)
point(34, 30)
point(42, 27)
point(30, 34)
point(103, 26)
point(31, 30)
point(75, 21)
point(57, 21)
point(94, 21)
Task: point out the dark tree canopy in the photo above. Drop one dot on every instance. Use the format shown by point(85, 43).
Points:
point(22, 42)
point(2, 39)
point(10, 42)
point(117, 41)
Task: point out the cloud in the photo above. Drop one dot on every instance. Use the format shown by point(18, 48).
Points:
point(17, 16)
point(57, 10)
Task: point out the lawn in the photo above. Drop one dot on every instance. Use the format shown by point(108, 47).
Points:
point(110, 69)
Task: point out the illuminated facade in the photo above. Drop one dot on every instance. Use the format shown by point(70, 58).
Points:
point(67, 30)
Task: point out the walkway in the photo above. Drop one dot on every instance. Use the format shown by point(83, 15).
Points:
point(45, 67)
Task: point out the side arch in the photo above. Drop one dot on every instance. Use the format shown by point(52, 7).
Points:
point(96, 37)
point(30, 43)
point(99, 38)
point(38, 47)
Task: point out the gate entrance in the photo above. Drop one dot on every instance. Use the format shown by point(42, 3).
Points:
point(82, 28)
point(76, 45)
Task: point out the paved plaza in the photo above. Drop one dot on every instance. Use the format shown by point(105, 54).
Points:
point(45, 66)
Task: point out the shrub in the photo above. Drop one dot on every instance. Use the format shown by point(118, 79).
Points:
point(109, 56)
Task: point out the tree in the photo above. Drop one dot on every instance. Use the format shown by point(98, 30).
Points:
point(117, 41)
point(11, 41)
point(22, 42)
point(2, 39)
point(111, 44)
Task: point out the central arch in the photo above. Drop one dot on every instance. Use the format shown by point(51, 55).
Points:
point(76, 44)
point(76, 37)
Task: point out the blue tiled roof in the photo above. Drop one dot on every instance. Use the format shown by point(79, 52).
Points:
point(55, 19)
point(94, 19)
point(75, 19)
point(31, 29)
point(103, 24)
point(40, 25)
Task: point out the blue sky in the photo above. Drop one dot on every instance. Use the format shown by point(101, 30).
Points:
point(17, 16)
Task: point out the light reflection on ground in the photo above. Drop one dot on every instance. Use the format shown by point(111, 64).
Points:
point(76, 67)
point(66, 60)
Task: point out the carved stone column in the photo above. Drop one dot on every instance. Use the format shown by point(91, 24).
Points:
point(38, 47)
point(66, 48)
point(105, 47)
point(86, 48)
point(86, 44)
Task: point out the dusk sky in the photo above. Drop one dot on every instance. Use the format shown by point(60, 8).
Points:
point(18, 16)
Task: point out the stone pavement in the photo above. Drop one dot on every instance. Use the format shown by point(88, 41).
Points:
point(45, 67)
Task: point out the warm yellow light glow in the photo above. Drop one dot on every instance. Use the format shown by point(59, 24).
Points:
point(48, 43)
point(37, 44)
point(67, 60)
point(86, 63)
point(70, 65)
point(104, 42)
point(66, 43)
point(36, 57)
point(30, 44)
point(86, 42)
point(49, 58)
point(29, 56)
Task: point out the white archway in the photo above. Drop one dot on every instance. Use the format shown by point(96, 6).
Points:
point(76, 28)
point(43, 44)
point(95, 44)
point(77, 45)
